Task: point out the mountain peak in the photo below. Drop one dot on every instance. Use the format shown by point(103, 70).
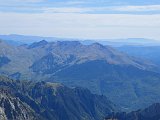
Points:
point(38, 44)
point(43, 41)
point(98, 45)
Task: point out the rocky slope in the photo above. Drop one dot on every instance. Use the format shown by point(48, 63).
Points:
point(12, 108)
point(24, 100)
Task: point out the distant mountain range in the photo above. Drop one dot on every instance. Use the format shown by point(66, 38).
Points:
point(26, 100)
point(16, 39)
point(125, 80)
point(122, 42)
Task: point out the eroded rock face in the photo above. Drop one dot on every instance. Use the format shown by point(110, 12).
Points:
point(12, 108)
point(2, 114)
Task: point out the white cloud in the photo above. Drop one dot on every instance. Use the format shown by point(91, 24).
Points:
point(72, 2)
point(69, 7)
point(81, 25)
point(137, 8)
point(66, 10)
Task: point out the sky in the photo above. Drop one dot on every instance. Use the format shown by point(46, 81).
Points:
point(87, 19)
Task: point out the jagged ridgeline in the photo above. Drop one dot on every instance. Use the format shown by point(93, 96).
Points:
point(128, 81)
point(26, 100)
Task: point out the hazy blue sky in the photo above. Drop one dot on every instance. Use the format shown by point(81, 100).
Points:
point(81, 18)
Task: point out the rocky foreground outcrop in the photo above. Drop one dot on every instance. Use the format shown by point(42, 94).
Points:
point(26, 100)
